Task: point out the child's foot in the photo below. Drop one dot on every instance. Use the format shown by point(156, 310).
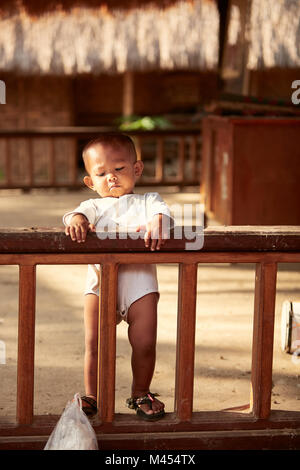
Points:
point(155, 407)
point(89, 405)
point(147, 406)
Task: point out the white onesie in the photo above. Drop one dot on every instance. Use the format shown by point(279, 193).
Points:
point(123, 214)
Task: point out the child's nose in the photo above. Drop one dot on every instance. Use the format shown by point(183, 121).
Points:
point(111, 177)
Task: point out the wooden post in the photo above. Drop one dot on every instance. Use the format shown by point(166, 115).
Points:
point(138, 147)
point(263, 334)
point(26, 339)
point(73, 162)
point(181, 162)
point(107, 342)
point(51, 166)
point(30, 162)
point(159, 163)
point(7, 163)
point(128, 93)
point(185, 346)
point(193, 158)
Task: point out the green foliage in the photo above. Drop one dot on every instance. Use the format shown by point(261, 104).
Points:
point(147, 123)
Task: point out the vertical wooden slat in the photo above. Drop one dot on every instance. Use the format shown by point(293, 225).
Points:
point(52, 163)
point(193, 158)
point(180, 173)
point(7, 163)
point(128, 93)
point(159, 166)
point(263, 334)
point(138, 147)
point(185, 351)
point(26, 339)
point(107, 342)
point(73, 163)
point(30, 162)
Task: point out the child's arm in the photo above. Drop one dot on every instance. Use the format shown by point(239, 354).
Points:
point(78, 228)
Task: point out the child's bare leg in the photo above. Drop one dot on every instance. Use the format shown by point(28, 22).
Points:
point(91, 309)
point(142, 320)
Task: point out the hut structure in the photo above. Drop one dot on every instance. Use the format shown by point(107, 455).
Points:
point(255, 162)
point(86, 63)
point(261, 53)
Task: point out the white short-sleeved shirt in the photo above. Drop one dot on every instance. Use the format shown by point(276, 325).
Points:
point(125, 214)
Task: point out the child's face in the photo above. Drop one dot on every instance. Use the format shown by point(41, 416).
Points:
point(112, 170)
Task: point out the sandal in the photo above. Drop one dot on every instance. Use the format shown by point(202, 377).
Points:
point(90, 410)
point(134, 404)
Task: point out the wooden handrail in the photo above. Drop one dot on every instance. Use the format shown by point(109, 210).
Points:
point(89, 131)
point(272, 239)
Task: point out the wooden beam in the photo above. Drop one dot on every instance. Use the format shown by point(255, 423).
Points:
point(26, 340)
point(107, 342)
point(219, 239)
point(128, 93)
point(8, 175)
point(185, 344)
point(285, 439)
point(159, 161)
point(263, 336)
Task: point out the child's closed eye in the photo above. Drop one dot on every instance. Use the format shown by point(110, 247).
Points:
point(116, 169)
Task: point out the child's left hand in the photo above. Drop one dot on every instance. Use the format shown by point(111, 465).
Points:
point(157, 232)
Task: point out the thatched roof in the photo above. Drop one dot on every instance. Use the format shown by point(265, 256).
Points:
point(274, 34)
point(38, 7)
point(181, 34)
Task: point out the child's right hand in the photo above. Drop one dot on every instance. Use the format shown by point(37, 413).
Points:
point(79, 227)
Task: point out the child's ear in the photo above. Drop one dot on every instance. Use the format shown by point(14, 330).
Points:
point(138, 168)
point(88, 182)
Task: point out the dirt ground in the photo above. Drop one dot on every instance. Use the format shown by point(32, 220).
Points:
point(223, 335)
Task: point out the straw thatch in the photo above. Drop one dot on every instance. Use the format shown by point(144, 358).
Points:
point(274, 34)
point(182, 35)
point(38, 7)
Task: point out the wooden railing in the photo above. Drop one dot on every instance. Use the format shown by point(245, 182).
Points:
point(261, 428)
point(51, 157)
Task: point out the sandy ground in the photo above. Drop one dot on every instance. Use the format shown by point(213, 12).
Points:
point(223, 335)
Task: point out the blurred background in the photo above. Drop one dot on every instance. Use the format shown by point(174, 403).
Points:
point(204, 87)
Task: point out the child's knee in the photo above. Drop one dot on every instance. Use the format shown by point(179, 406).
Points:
point(91, 344)
point(146, 345)
point(91, 353)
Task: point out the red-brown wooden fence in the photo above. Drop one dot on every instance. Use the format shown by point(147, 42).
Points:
point(56, 162)
point(182, 429)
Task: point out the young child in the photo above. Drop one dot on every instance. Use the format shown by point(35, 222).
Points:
point(113, 169)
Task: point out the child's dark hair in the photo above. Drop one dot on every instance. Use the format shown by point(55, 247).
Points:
point(114, 139)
